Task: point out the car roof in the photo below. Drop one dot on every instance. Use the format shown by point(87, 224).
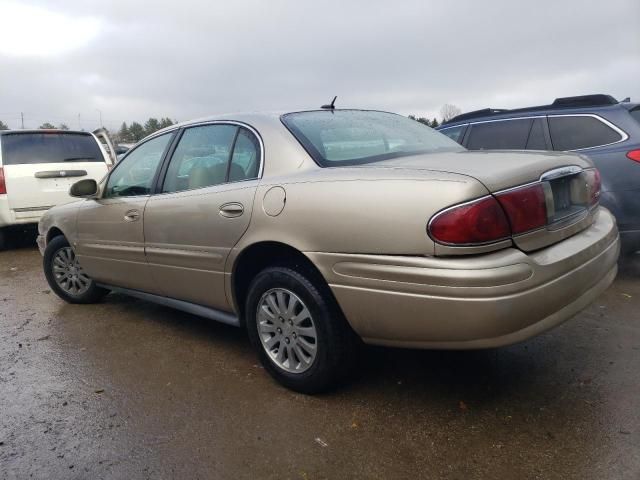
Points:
point(566, 105)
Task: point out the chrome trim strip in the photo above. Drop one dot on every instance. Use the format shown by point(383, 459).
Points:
point(452, 126)
point(623, 135)
point(560, 172)
point(188, 307)
point(32, 209)
point(507, 119)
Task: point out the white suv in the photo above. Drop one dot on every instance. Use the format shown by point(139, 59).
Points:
point(37, 167)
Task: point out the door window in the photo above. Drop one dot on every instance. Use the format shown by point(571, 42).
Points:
point(134, 175)
point(502, 134)
point(245, 161)
point(454, 133)
point(573, 132)
point(201, 158)
point(536, 139)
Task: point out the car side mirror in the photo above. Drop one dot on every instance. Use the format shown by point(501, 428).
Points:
point(86, 188)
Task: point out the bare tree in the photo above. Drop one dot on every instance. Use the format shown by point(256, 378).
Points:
point(448, 111)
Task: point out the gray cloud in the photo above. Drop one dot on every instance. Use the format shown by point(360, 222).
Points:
point(193, 58)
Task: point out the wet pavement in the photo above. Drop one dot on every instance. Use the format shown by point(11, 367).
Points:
point(127, 389)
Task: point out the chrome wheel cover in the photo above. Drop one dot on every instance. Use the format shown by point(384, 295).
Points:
point(68, 273)
point(286, 330)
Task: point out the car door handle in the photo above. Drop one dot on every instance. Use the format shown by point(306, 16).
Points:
point(132, 215)
point(230, 210)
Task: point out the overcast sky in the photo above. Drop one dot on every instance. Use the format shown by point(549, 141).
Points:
point(132, 60)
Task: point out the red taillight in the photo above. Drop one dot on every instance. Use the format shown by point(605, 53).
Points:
point(634, 155)
point(3, 185)
point(525, 207)
point(477, 222)
point(593, 185)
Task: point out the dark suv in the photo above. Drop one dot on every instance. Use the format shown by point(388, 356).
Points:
point(599, 126)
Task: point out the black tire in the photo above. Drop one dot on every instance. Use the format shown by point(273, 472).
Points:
point(3, 239)
point(337, 345)
point(92, 295)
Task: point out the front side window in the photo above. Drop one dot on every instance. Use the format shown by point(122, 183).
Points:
point(201, 158)
point(49, 147)
point(134, 175)
point(354, 137)
point(454, 133)
point(570, 132)
point(500, 135)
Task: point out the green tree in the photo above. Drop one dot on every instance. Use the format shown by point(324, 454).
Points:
point(423, 120)
point(166, 122)
point(434, 123)
point(47, 125)
point(152, 125)
point(63, 126)
point(136, 132)
point(3, 126)
point(124, 135)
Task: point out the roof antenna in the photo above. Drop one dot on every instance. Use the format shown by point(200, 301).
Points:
point(330, 106)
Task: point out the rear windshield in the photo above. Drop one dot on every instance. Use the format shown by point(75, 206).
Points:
point(354, 137)
point(635, 113)
point(49, 147)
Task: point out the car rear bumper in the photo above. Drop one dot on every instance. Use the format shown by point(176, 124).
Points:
point(469, 302)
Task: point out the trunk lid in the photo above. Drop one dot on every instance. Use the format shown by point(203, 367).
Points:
point(497, 170)
point(569, 207)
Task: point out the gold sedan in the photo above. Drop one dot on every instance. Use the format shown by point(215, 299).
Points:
point(318, 230)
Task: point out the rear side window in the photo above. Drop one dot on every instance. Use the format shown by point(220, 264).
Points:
point(503, 134)
point(245, 160)
point(454, 133)
point(46, 147)
point(574, 132)
point(201, 159)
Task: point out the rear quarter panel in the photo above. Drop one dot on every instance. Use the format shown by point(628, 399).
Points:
point(357, 211)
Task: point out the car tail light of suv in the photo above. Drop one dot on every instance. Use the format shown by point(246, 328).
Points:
point(634, 155)
point(555, 200)
point(3, 185)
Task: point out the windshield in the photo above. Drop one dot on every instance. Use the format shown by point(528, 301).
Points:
point(49, 147)
point(354, 137)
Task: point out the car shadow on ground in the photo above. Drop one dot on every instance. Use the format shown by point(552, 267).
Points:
point(478, 374)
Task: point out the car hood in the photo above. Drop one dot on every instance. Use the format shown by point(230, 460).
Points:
point(496, 170)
